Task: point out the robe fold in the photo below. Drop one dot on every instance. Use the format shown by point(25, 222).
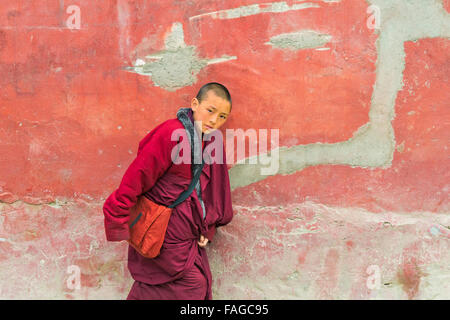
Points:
point(172, 274)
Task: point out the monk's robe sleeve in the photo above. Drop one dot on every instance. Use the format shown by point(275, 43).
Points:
point(220, 192)
point(152, 160)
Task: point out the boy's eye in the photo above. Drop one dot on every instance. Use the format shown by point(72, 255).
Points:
point(209, 110)
point(223, 117)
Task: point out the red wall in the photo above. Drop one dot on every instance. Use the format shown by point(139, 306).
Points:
point(72, 111)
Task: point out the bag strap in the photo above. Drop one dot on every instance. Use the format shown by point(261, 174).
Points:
point(186, 193)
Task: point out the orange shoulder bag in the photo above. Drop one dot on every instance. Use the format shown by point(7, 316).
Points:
point(148, 221)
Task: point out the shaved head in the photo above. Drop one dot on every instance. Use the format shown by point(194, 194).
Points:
point(219, 89)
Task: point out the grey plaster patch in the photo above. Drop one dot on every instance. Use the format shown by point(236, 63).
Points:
point(304, 39)
point(175, 39)
point(177, 66)
point(174, 69)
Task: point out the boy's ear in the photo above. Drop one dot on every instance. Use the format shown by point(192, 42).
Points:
point(194, 104)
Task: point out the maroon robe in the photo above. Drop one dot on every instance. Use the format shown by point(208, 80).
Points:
point(181, 270)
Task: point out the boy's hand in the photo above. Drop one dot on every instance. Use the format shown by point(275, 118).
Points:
point(203, 241)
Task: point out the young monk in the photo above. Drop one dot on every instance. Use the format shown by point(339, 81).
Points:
point(181, 270)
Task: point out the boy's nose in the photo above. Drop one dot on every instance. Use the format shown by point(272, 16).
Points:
point(213, 120)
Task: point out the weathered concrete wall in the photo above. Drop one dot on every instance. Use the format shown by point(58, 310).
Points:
point(359, 90)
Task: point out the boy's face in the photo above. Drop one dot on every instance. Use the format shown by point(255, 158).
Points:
point(212, 112)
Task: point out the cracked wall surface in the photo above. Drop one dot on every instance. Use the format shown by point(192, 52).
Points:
point(363, 178)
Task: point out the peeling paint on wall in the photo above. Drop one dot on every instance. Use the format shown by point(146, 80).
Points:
point(254, 9)
point(177, 65)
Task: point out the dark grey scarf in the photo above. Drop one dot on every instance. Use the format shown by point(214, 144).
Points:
point(185, 115)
